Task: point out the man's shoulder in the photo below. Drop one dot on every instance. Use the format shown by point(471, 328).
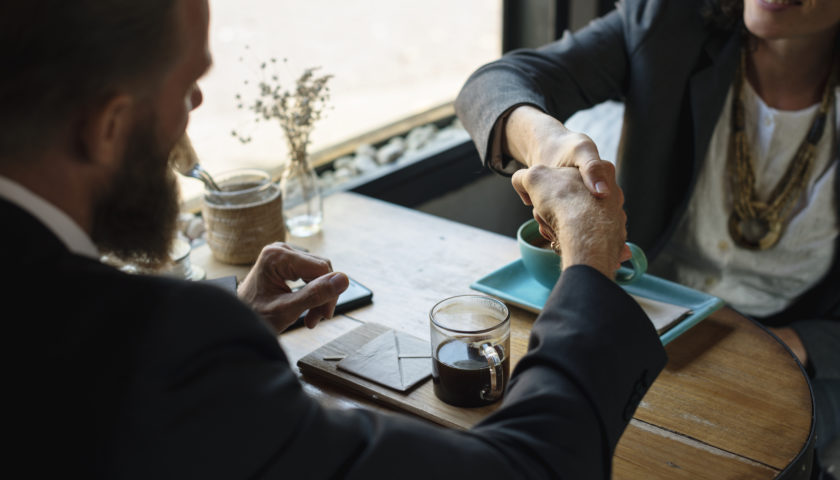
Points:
point(164, 303)
point(87, 303)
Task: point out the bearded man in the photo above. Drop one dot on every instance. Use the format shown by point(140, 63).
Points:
point(134, 376)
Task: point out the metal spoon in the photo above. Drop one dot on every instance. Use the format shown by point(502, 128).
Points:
point(185, 161)
point(197, 171)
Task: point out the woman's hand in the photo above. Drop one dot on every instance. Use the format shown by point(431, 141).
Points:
point(535, 138)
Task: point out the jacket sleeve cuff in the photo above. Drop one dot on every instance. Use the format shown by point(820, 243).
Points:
point(615, 354)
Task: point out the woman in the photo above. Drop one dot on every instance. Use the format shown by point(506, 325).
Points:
point(731, 185)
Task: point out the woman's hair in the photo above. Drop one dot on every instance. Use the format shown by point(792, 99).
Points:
point(724, 14)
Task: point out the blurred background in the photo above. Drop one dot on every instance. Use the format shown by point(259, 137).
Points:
point(390, 60)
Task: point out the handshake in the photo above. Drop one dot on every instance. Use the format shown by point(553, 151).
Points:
point(588, 228)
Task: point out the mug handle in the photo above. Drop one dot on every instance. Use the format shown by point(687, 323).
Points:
point(497, 373)
point(638, 261)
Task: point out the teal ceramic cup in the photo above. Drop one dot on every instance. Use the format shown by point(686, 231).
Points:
point(544, 264)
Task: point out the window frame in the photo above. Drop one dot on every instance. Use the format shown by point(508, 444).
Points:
point(525, 24)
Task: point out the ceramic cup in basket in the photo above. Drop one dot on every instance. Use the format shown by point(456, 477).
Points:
point(544, 264)
point(244, 216)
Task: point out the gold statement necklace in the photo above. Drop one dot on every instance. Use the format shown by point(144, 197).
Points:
point(757, 224)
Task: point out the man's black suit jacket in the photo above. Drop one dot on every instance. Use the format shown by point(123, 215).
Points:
point(128, 376)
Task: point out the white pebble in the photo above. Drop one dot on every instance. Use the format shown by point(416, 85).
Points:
point(345, 162)
point(365, 163)
point(391, 151)
point(343, 174)
point(419, 137)
point(366, 149)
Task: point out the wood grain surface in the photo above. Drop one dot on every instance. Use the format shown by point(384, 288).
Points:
point(732, 401)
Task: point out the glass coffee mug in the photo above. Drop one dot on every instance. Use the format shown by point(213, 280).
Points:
point(470, 339)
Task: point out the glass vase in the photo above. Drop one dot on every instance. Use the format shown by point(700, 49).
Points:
point(302, 204)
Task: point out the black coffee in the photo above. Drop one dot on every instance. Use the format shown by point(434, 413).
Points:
point(460, 373)
point(540, 242)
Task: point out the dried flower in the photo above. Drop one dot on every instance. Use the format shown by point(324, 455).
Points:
point(297, 110)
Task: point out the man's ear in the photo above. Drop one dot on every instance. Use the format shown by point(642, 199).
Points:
point(107, 129)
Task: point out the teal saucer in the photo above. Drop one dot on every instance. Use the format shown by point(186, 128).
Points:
point(513, 284)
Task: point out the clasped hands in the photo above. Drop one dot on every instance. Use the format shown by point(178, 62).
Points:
point(576, 199)
point(266, 288)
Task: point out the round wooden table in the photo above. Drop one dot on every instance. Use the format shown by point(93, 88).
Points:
point(732, 402)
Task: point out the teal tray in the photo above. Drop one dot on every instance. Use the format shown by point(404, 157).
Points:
point(513, 284)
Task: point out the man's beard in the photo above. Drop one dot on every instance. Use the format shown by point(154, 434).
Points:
point(136, 219)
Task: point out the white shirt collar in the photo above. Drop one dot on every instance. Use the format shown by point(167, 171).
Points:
point(73, 237)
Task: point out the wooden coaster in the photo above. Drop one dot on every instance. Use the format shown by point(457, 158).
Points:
point(369, 355)
point(393, 359)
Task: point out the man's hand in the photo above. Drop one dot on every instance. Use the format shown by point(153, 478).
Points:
point(589, 230)
point(534, 138)
point(266, 291)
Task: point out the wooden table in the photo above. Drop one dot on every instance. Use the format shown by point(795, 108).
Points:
point(732, 401)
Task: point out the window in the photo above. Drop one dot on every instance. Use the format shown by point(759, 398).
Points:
point(390, 59)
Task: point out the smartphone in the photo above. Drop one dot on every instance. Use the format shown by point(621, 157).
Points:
point(356, 295)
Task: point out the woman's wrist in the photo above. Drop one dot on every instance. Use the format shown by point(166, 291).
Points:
point(528, 130)
point(533, 137)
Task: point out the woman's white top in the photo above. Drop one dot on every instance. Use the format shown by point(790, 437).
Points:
point(702, 254)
